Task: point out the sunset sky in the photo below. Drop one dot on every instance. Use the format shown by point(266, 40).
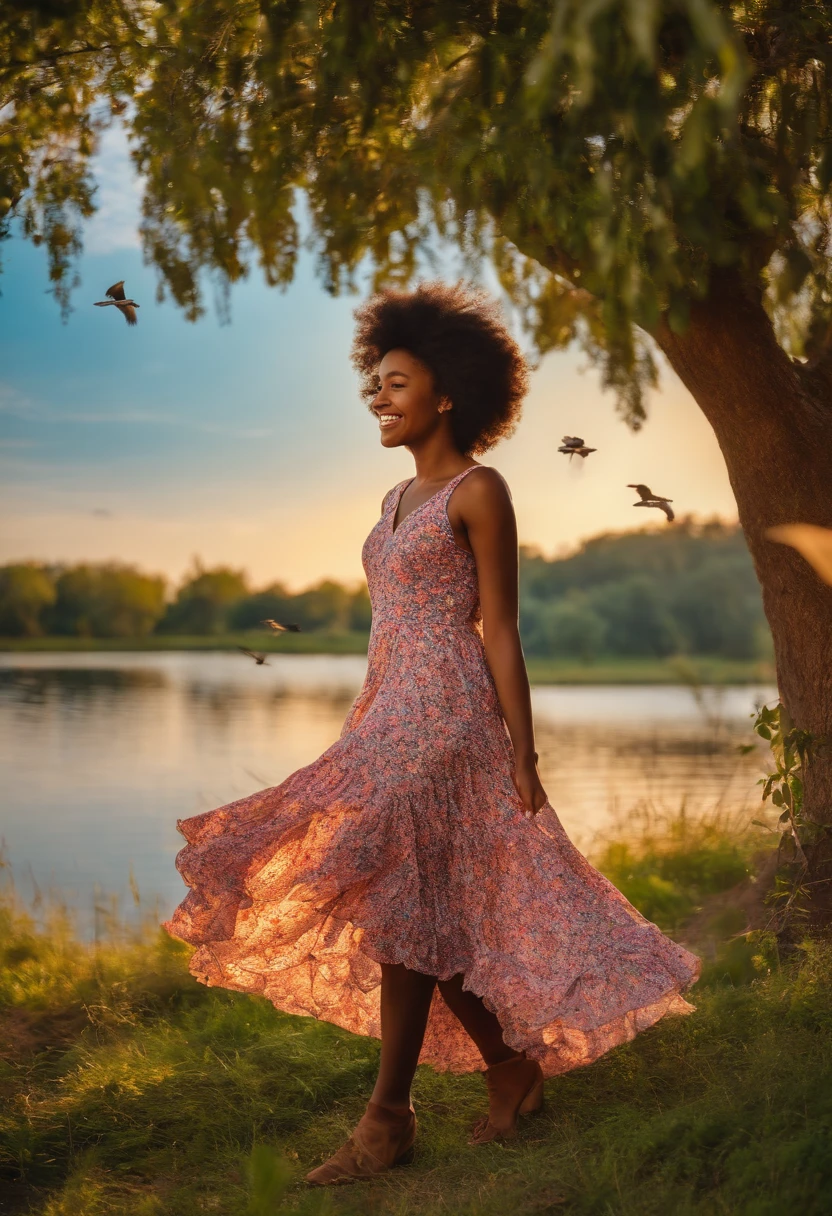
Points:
point(246, 443)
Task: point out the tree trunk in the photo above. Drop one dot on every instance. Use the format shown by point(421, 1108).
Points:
point(773, 420)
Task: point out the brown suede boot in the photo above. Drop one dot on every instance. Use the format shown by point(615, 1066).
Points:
point(515, 1088)
point(383, 1138)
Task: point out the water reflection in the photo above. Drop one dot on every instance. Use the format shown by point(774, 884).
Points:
point(100, 753)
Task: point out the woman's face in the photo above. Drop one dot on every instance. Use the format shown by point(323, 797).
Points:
point(407, 405)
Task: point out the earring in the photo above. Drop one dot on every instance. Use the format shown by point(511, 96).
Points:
point(443, 409)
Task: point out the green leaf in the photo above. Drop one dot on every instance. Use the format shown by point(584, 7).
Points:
point(642, 20)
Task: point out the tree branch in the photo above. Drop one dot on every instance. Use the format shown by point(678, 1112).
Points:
point(87, 49)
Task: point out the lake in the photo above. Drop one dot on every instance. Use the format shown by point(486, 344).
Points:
point(101, 753)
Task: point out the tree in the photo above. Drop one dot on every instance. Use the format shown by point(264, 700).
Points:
point(26, 591)
point(59, 59)
point(569, 627)
point(718, 610)
point(205, 601)
point(644, 174)
point(327, 605)
point(272, 602)
point(360, 616)
point(107, 601)
point(636, 618)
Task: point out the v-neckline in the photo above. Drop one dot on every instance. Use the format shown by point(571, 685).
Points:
point(394, 527)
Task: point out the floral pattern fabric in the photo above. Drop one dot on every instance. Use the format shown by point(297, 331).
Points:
point(405, 842)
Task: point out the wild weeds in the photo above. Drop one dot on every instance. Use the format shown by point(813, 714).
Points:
point(669, 864)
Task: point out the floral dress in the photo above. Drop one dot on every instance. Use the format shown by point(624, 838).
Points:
point(406, 842)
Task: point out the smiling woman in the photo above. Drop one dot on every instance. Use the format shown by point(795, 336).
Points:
point(414, 881)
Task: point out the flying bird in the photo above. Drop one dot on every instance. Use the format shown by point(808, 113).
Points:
point(117, 299)
point(572, 445)
point(648, 499)
point(278, 628)
point(260, 659)
point(812, 542)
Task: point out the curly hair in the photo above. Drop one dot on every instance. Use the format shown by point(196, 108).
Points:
point(458, 332)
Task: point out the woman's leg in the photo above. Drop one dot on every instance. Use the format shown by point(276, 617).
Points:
point(480, 1023)
point(385, 1134)
point(515, 1083)
point(405, 1003)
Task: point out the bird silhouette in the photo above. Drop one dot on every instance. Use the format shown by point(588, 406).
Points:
point(278, 628)
point(117, 299)
point(572, 445)
point(648, 499)
point(260, 659)
point(812, 543)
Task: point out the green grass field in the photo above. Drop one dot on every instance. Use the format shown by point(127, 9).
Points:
point(609, 670)
point(127, 1088)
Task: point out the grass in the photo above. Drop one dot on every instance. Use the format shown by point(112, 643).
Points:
point(615, 670)
point(126, 1087)
point(606, 670)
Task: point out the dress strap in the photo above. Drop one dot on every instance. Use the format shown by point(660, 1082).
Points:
point(392, 494)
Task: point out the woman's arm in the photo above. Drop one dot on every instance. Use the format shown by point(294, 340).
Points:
point(483, 506)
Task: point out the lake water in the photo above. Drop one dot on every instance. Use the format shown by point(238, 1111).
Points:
point(101, 753)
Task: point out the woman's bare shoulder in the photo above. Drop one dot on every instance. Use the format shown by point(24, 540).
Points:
point(484, 489)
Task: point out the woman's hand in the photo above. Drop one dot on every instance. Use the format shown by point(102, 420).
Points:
point(529, 786)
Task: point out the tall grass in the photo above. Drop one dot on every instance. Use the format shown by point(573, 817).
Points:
point(128, 1088)
point(668, 864)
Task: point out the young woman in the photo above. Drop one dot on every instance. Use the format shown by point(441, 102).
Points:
point(414, 882)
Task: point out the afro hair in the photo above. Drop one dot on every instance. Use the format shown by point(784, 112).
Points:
point(458, 332)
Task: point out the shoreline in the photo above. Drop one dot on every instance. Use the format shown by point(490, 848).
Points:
point(679, 669)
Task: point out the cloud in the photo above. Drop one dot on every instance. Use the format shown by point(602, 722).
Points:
point(15, 404)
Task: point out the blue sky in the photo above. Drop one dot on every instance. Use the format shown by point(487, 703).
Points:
point(246, 443)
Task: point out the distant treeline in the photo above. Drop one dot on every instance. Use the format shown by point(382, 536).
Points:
point(687, 589)
point(112, 600)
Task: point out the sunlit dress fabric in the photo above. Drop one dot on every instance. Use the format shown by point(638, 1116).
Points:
point(406, 842)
